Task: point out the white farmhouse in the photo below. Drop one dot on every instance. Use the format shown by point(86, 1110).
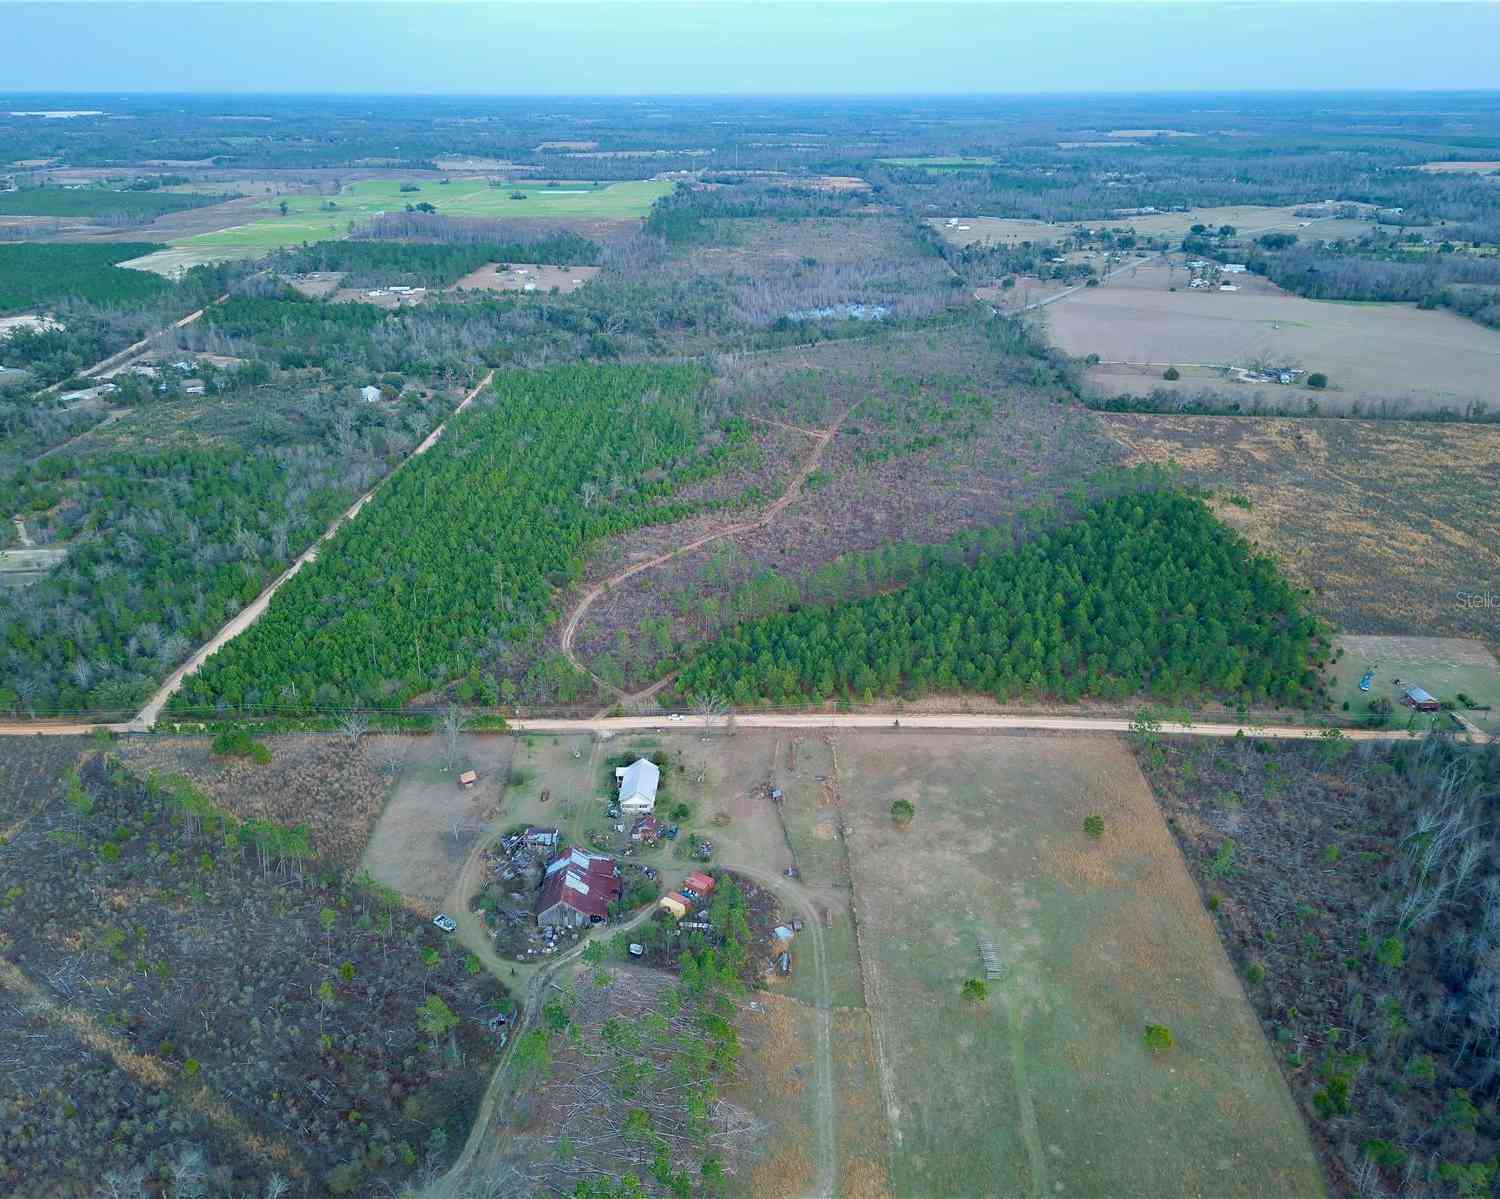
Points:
point(369, 394)
point(638, 783)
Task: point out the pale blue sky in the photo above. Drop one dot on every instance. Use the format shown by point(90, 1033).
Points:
point(566, 47)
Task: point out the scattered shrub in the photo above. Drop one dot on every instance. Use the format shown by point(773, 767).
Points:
point(1094, 826)
point(902, 812)
point(1158, 1038)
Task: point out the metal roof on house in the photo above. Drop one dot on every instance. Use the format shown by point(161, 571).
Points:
point(1417, 695)
point(585, 882)
point(641, 778)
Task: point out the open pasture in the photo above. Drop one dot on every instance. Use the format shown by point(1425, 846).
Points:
point(1249, 220)
point(1048, 1087)
point(308, 219)
point(1370, 352)
point(1441, 666)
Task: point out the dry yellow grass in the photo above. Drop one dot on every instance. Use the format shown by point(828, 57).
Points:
point(1388, 522)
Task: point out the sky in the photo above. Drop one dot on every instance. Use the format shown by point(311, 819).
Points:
point(725, 47)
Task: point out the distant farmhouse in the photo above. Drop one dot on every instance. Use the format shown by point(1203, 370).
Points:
point(638, 783)
point(577, 890)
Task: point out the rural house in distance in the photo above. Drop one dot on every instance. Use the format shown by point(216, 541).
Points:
point(577, 890)
point(638, 783)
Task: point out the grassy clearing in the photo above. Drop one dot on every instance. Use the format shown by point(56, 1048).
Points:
point(308, 220)
point(1048, 1087)
point(1441, 666)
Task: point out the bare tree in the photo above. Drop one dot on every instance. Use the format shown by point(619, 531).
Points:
point(354, 725)
point(455, 724)
point(709, 705)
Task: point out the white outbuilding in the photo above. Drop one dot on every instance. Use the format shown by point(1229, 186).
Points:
point(638, 783)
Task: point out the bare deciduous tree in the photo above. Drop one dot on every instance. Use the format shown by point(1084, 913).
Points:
point(354, 725)
point(455, 724)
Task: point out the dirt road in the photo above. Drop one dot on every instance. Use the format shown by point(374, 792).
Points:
point(821, 439)
point(251, 612)
point(793, 894)
point(848, 721)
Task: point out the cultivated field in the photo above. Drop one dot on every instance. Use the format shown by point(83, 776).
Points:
point(1384, 520)
point(1048, 1088)
point(1249, 220)
point(308, 220)
point(1370, 352)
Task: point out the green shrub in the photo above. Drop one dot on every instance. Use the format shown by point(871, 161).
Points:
point(1391, 953)
point(1094, 826)
point(1158, 1038)
point(1171, 374)
point(1384, 1154)
point(1317, 380)
point(236, 743)
point(1255, 974)
point(975, 990)
point(902, 812)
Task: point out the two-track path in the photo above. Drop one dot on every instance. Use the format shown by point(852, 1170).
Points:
point(820, 439)
point(248, 615)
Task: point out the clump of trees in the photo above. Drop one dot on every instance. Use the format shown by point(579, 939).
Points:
point(458, 560)
point(1143, 593)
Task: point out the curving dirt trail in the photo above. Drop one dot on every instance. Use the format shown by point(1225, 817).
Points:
point(821, 439)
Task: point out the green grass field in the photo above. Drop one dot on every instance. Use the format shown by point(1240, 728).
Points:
point(1441, 666)
point(941, 163)
point(1048, 1087)
point(308, 221)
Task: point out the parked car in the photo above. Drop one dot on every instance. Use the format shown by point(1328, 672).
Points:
point(676, 716)
point(444, 922)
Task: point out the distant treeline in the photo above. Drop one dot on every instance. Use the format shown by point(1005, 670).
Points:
point(115, 207)
point(1212, 403)
point(680, 217)
point(1468, 284)
point(463, 230)
point(33, 275)
point(431, 264)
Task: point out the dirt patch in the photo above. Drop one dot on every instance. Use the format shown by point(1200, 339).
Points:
point(312, 779)
point(526, 277)
point(431, 824)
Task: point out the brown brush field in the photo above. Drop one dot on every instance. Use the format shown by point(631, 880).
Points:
point(1384, 520)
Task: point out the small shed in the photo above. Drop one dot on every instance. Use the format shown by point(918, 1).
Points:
point(676, 904)
point(468, 778)
point(1419, 700)
point(699, 882)
point(369, 393)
